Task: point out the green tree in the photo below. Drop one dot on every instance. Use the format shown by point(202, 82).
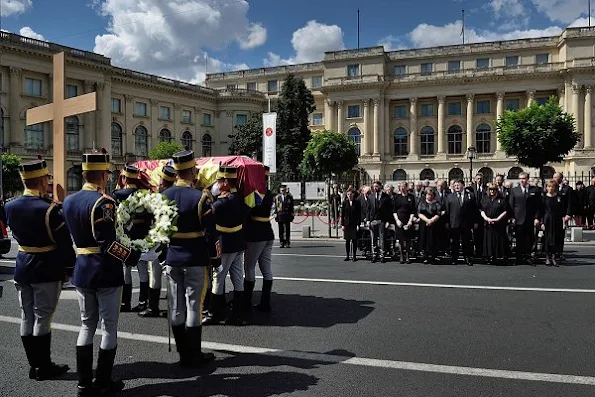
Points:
point(328, 153)
point(164, 150)
point(247, 140)
point(538, 134)
point(293, 109)
point(11, 179)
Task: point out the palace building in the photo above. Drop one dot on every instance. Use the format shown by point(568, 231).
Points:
point(414, 113)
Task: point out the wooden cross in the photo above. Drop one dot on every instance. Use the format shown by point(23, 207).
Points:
point(56, 112)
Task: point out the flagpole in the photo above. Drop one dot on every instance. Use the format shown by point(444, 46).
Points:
point(358, 28)
point(463, 28)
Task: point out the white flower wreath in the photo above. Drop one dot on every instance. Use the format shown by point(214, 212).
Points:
point(163, 226)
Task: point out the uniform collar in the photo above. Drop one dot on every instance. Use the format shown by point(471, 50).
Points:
point(91, 187)
point(131, 186)
point(32, 192)
point(183, 183)
point(233, 190)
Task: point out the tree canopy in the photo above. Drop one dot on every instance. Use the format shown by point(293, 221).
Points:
point(327, 153)
point(11, 179)
point(164, 150)
point(247, 140)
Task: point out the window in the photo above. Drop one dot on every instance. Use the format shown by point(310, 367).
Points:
point(207, 145)
point(116, 139)
point(206, 119)
point(316, 81)
point(187, 140)
point(455, 140)
point(426, 110)
point(33, 87)
point(512, 104)
point(427, 141)
point(399, 70)
point(400, 142)
point(488, 174)
point(71, 91)
point(355, 136)
point(483, 107)
point(241, 119)
point(427, 68)
point(74, 179)
point(352, 70)
point(186, 116)
point(454, 108)
point(116, 105)
point(141, 141)
point(542, 59)
point(317, 119)
point(251, 86)
point(399, 175)
point(272, 86)
point(165, 113)
point(71, 126)
point(400, 112)
point(353, 111)
point(512, 61)
point(34, 136)
point(165, 135)
point(541, 100)
point(140, 109)
point(455, 174)
point(231, 87)
point(483, 137)
point(454, 66)
point(482, 63)
point(427, 174)
point(514, 172)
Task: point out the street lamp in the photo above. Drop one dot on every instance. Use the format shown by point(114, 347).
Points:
point(471, 154)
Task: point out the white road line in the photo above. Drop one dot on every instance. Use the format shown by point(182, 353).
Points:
point(312, 255)
point(358, 361)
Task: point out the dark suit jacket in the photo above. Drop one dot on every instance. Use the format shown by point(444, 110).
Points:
point(479, 193)
point(461, 216)
point(591, 196)
point(524, 207)
point(381, 210)
point(364, 202)
point(442, 199)
point(565, 192)
point(351, 214)
point(284, 208)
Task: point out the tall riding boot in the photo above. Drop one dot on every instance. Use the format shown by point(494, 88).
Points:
point(46, 369)
point(179, 332)
point(143, 296)
point(265, 298)
point(197, 357)
point(103, 374)
point(216, 310)
point(248, 289)
point(30, 352)
point(207, 303)
point(84, 369)
point(153, 308)
point(125, 305)
point(237, 317)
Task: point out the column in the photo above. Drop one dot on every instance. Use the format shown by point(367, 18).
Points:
point(530, 97)
point(329, 107)
point(104, 115)
point(567, 96)
point(366, 142)
point(15, 99)
point(587, 120)
point(562, 98)
point(470, 131)
point(89, 126)
point(387, 130)
point(440, 132)
point(499, 112)
point(340, 117)
point(575, 105)
point(413, 146)
point(377, 126)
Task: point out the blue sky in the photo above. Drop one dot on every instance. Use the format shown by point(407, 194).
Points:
point(171, 37)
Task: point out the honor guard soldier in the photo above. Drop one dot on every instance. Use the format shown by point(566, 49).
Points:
point(98, 278)
point(229, 213)
point(186, 265)
point(167, 179)
point(140, 229)
point(259, 247)
point(45, 250)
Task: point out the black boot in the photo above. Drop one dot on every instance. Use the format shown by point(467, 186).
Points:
point(265, 298)
point(248, 289)
point(84, 369)
point(216, 310)
point(46, 369)
point(143, 296)
point(237, 315)
point(125, 306)
point(30, 351)
point(207, 303)
point(179, 332)
point(153, 308)
point(103, 374)
point(194, 339)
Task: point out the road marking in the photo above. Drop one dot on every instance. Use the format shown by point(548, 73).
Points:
point(312, 255)
point(357, 361)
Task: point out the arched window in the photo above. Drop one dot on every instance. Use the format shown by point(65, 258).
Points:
point(116, 139)
point(34, 136)
point(71, 128)
point(207, 145)
point(399, 175)
point(483, 137)
point(455, 173)
point(488, 174)
point(74, 178)
point(548, 172)
point(427, 142)
point(427, 174)
point(187, 140)
point(514, 172)
point(141, 141)
point(355, 136)
point(400, 142)
point(455, 140)
point(164, 135)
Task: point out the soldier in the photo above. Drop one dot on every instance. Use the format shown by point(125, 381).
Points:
point(90, 216)
point(186, 265)
point(140, 229)
point(167, 179)
point(259, 246)
point(229, 218)
point(45, 250)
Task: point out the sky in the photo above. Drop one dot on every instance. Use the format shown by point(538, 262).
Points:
point(182, 39)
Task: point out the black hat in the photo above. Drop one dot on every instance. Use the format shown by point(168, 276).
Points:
point(34, 169)
point(168, 173)
point(227, 172)
point(184, 160)
point(131, 172)
point(96, 161)
point(267, 170)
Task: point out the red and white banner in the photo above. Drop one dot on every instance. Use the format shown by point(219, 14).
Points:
point(269, 141)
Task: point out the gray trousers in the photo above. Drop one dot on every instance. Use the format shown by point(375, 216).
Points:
point(99, 303)
point(231, 263)
point(143, 272)
point(155, 272)
point(186, 295)
point(377, 232)
point(38, 304)
point(258, 251)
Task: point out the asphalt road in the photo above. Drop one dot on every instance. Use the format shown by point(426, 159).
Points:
point(359, 329)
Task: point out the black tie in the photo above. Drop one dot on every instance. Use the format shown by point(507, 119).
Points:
point(460, 199)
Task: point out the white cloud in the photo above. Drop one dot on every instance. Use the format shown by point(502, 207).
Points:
point(561, 10)
point(582, 22)
point(391, 43)
point(28, 32)
point(14, 7)
point(170, 38)
point(507, 8)
point(310, 43)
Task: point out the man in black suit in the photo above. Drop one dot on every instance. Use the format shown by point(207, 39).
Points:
point(284, 215)
point(379, 213)
point(565, 192)
point(524, 203)
point(442, 193)
point(479, 191)
point(591, 204)
point(461, 212)
point(364, 200)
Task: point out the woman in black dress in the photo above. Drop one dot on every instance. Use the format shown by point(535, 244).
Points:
point(404, 212)
point(553, 215)
point(429, 213)
point(350, 220)
point(493, 212)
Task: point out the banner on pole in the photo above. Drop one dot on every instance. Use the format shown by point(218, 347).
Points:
point(269, 141)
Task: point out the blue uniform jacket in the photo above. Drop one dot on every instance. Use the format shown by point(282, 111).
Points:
point(91, 217)
point(258, 222)
point(208, 221)
point(45, 247)
point(141, 223)
point(229, 214)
